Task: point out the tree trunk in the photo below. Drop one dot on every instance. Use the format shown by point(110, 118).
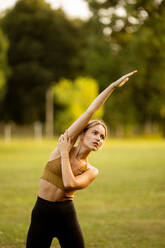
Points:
point(147, 127)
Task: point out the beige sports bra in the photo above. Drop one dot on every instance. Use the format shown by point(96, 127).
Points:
point(52, 172)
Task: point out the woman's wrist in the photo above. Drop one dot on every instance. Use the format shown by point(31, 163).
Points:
point(64, 154)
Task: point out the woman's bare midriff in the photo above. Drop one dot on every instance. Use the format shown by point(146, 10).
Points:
point(51, 192)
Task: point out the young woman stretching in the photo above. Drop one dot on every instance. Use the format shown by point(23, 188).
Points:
point(66, 171)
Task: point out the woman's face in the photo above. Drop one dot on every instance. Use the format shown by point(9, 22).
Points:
point(94, 137)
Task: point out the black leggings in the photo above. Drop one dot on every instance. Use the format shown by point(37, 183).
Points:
point(54, 219)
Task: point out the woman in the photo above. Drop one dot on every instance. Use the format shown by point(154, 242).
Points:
point(66, 171)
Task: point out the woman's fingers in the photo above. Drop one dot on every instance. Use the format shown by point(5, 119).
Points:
point(64, 137)
point(67, 135)
point(124, 79)
point(130, 73)
point(123, 82)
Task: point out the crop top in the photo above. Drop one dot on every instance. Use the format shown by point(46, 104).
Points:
point(53, 174)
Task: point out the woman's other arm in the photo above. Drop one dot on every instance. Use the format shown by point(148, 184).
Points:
point(70, 181)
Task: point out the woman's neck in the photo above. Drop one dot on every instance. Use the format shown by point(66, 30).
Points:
point(82, 153)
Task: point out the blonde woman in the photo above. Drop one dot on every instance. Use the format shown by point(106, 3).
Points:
point(68, 170)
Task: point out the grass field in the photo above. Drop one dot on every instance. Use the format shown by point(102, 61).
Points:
point(123, 208)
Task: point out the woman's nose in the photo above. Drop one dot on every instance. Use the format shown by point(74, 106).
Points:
point(98, 138)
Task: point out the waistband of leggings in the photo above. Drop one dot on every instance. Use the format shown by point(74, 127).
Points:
point(52, 203)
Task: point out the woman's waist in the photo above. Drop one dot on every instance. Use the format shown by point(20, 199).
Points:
point(51, 192)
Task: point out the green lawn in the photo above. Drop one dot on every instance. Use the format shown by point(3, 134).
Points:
point(123, 208)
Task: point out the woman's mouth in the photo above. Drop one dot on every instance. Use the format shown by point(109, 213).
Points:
point(95, 144)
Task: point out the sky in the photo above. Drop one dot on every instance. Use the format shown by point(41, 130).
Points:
point(73, 8)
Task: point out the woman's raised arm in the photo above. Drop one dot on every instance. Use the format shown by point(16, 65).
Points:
point(76, 128)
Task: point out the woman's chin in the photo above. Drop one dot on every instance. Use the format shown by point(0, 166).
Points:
point(94, 148)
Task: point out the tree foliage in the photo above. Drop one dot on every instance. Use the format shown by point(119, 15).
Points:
point(134, 31)
point(120, 36)
point(73, 98)
point(4, 69)
point(43, 48)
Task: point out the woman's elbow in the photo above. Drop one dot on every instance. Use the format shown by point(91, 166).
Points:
point(70, 186)
point(73, 186)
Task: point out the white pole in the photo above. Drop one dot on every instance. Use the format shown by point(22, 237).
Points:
point(7, 133)
point(49, 113)
point(38, 130)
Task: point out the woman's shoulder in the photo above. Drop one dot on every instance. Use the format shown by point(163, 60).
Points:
point(92, 169)
point(54, 155)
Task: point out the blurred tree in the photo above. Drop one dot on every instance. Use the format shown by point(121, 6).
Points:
point(73, 99)
point(43, 48)
point(96, 52)
point(118, 16)
point(134, 31)
point(102, 62)
point(149, 47)
point(4, 68)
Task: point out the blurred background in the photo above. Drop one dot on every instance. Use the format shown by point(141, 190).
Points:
point(56, 56)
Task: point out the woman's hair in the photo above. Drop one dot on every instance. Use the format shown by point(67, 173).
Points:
point(93, 123)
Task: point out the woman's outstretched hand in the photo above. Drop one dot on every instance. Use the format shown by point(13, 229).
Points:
point(121, 81)
point(64, 143)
